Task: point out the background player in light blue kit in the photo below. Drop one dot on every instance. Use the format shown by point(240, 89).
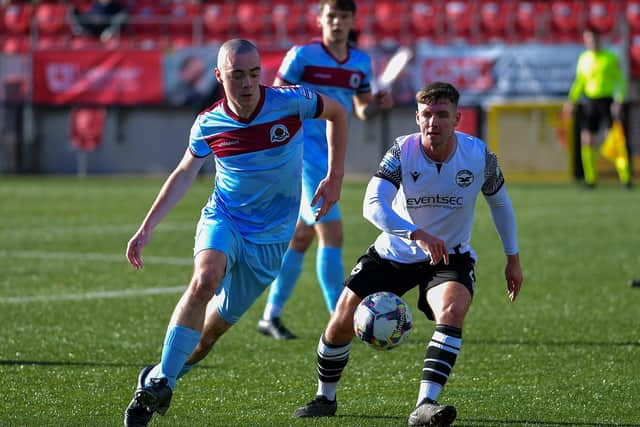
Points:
point(254, 134)
point(334, 68)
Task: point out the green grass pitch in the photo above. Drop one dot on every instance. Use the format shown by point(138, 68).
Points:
point(78, 322)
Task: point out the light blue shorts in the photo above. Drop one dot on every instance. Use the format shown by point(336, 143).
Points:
point(311, 177)
point(250, 267)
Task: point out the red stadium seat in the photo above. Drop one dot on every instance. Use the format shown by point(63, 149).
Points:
point(460, 17)
point(390, 18)
point(495, 19)
point(251, 18)
point(217, 19)
point(602, 15)
point(150, 41)
point(52, 41)
point(148, 18)
point(311, 14)
point(632, 13)
point(365, 16)
point(82, 5)
point(17, 18)
point(16, 44)
point(634, 54)
point(287, 18)
point(85, 42)
point(182, 15)
point(177, 41)
point(424, 19)
point(529, 19)
point(51, 18)
point(565, 21)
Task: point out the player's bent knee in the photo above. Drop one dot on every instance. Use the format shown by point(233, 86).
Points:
point(340, 327)
point(330, 234)
point(302, 238)
point(204, 284)
point(453, 314)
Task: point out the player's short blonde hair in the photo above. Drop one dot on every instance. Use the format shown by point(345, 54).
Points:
point(234, 46)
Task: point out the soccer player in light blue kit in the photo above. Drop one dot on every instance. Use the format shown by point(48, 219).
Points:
point(334, 68)
point(254, 134)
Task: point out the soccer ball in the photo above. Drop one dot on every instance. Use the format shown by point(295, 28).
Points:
point(382, 320)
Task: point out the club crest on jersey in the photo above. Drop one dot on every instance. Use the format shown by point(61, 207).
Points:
point(464, 178)
point(354, 80)
point(279, 133)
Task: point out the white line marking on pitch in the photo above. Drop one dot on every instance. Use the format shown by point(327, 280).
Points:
point(93, 295)
point(92, 256)
point(75, 229)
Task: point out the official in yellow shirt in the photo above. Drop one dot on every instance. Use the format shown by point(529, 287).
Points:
point(599, 78)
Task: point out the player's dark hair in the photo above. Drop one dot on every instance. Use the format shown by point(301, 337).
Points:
point(593, 30)
point(346, 5)
point(432, 92)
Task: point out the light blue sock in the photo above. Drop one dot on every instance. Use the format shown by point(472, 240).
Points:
point(185, 370)
point(330, 272)
point(179, 343)
point(282, 287)
point(156, 372)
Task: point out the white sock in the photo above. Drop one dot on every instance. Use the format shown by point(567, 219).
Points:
point(271, 311)
point(428, 389)
point(327, 390)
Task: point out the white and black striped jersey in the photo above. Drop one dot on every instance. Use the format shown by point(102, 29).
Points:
point(410, 191)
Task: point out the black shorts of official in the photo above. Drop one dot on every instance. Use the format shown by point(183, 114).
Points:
point(374, 274)
point(596, 112)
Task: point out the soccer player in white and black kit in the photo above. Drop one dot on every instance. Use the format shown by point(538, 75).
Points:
point(422, 198)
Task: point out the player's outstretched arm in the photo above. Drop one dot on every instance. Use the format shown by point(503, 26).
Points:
point(367, 105)
point(329, 188)
point(504, 219)
point(175, 186)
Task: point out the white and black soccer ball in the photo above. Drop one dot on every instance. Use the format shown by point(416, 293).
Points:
point(382, 320)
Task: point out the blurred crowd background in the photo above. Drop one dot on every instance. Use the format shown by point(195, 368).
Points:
point(120, 81)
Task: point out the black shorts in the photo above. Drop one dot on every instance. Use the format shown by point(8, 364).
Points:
point(595, 113)
point(374, 274)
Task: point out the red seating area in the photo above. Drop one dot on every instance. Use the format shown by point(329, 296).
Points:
point(279, 23)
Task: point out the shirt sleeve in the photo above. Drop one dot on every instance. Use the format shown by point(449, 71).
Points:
point(504, 219)
point(309, 102)
point(578, 84)
point(197, 143)
point(377, 208)
point(390, 167)
point(493, 178)
point(365, 84)
point(292, 67)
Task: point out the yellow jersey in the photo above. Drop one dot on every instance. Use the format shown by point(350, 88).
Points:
point(598, 75)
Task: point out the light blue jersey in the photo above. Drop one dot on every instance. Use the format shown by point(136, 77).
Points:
point(313, 66)
point(258, 161)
